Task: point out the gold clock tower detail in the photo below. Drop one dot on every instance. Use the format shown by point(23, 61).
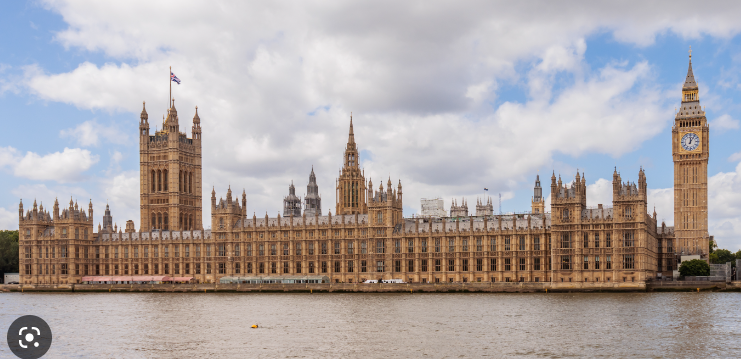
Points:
point(690, 152)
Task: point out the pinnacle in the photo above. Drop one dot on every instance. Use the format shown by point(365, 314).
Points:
point(690, 83)
point(196, 118)
point(351, 137)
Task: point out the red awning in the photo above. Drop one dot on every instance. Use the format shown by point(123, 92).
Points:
point(182, 279)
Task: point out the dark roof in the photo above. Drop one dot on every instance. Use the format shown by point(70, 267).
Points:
point(689, 83)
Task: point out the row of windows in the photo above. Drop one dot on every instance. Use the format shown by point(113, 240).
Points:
point(162, 221)
point(424, 265)
point(597, 263)
point(595, 241)
point(297, 234)
point(274, 249)
point(160, 181)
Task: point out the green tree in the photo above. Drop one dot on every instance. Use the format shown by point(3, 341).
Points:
point(738, 254)
point(8, 252)
point(695, 267)
point(723, 256)
point(712, 246)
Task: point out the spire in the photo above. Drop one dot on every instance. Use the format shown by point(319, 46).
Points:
point(351, 136)
point(144, 116)
point(690, 83)
point(196, 119)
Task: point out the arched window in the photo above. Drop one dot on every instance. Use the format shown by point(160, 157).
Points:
point(190, 182)
point(159, 221)
point(190, 222)
point(180, 182)
point(180, 224)
point(159, 180)
point(565, 214)
point(154, 181)
point(166, 179)
point(154, 221)
point(165, 222)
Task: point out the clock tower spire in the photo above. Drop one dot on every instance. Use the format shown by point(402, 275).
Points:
point(690, 152)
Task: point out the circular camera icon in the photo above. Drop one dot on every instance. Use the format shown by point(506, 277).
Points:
point(29, 337)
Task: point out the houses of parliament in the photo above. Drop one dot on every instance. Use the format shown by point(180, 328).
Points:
point(367, 236)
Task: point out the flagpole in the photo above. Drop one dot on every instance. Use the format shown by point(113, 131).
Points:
point(169, 76)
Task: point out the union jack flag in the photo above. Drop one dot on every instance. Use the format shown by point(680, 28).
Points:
point(174, 78)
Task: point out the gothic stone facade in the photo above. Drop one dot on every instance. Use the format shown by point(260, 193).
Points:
point(368, 237)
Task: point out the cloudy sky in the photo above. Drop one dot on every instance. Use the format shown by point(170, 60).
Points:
point(449, 97)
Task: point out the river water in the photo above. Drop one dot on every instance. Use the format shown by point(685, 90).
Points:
point(194, 325)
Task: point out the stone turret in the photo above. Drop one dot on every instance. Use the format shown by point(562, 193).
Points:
point(459, 211)
point(291, 203)
point(312, 201)
point(538, 204)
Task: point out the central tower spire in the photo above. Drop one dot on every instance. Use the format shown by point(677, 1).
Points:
point(351, 184)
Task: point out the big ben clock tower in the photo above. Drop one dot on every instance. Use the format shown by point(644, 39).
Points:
point(690, 151)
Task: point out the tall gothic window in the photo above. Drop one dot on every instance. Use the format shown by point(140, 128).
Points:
point(154, 181)
point(164, 176)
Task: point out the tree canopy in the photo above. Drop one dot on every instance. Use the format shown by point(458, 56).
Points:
point(695, 267)
point(8, 252)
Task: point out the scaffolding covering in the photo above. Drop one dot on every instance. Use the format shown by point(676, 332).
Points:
point(433, 208)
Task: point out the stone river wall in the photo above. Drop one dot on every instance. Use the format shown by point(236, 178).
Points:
point(382, 288)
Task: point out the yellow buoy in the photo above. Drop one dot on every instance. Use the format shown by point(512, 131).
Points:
point(698, 290)
point(254, 326)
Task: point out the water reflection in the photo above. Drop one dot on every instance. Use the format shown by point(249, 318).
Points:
point(384, 325)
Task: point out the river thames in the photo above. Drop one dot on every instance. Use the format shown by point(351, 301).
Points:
point(192, 325)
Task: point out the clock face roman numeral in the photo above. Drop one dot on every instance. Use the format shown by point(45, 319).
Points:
point(690, 141)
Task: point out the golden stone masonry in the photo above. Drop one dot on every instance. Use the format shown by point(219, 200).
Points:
point(368, 236)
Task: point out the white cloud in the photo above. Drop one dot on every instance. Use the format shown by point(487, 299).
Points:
point(43, 194)
point(736, 157)
point(420, 78)
point(8, 219)
point(90, 133)
point(122, 194)
point(600, 192)
point(66, 166)
point(724, 123)
point(724, 208)
point(663, 200)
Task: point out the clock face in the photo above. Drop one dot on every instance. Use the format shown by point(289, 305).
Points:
point(690, 141)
